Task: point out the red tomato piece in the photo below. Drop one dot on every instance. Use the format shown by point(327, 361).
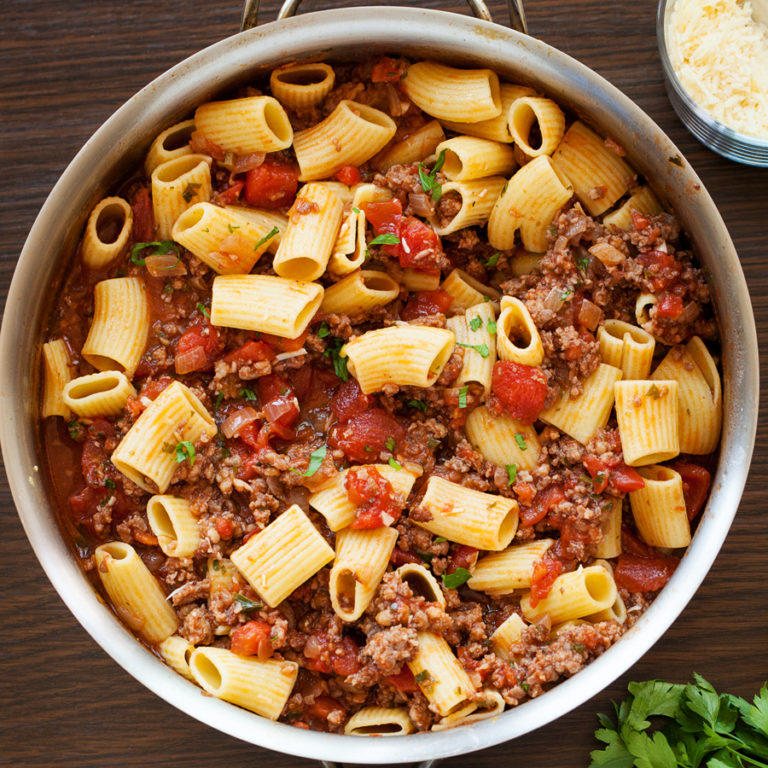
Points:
point(322, 707)
point(545, 571)
point(400, 557)
point(224, 527)
point(661, 269)
point(423, 303)
point(272, 185)
point(363, 437)
point(625, 479)
point(643, 574)
point(285, 345)
point(543, 501)
point(373, 496)
point(696, 481)
point(349, 401)
point(143, 217)
point(250, 352)
point(200, 340)
point(153, 387)
point(348, 175)
point(384, 216)
point(386, 70)
point(252, 639)
point(420, 246)
point(524, 493)
point(598, 471)
point(403, 680)
point(521, 389)
point(462, 556)
point(231, 194)
point(670, 306)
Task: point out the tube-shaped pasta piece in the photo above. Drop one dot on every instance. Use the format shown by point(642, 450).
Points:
point(699, 395)
point(647, 413)
point(98, 394)
point(474, 518)
point(379, 721)
point(599, 176)
point(107, 232)
point(360, 292)
point(302, 85)
point(313, 226)
point(473, 333)
point(477, 199)
point(488, 704)
point(147, 454)
point(414, 147)
point(659, 508)
point(223, 576)
point(273, 222)
point(440, 676)
point(574, 595)
point(523, 262)
point(414, 280)
point(176, 528)
point(244, 126)
point(230, 244)
point(332, 501)
point(171, 143)
point(262, 687)
point(447, 93)
point(177, 184)
point(362, 557)
point(529, 203)
point(349, 250)
point(350, 135)
point(369, 193)
point(176, 651)
point(610, 545)
point(283, 556)
point(501, 438)
point(581, 417)
point(497, 128)
point(507, 634)
point(617, 612)
point(518, 337)
point(57, 371)
point(136, 594)
point(626, 346)
point(547, 116)
point(468, 158)
point(422, 582)
point(120, 325)
point(264, 303)
point(407, 355)
point(643, 305)
point(467, 291)
point(457, 717)
point(641, 200)
point(504, 572)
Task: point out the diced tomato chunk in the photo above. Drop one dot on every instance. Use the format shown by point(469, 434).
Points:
point(696, 481)
point(250, 352)
point(660, 269)
point(543, 501)
point(231, 194)
point(348, 175)
point(670, 306)
point(322, 707)
point(363, 437)
point(384, 216)
point(545, 571)
point(252, 639)
point(143, 217)
point(373, 496)
point(420, 246)
point(626, 479)
point(403, 680)
point(521, 389)
point(598, 471)
point(224, 527)
point(634, 546)
point(349, 401)
point(643, 574)
point(386, 70)
point(272, 185)
point(285, 345)
point(199, 342)
point(462, 556)
point(400, 557)
point(153, 387)
point(424, 303)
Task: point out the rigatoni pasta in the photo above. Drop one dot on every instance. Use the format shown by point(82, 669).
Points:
point(57, 372)
point(107, 231)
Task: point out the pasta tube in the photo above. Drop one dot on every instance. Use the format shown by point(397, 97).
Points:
point(468, 158)
point(518, 338)
point(302, 85)
point(659, 509)
point(107, 232)
point(98, 394)
point(57, 371)
point(503, 440)
point(176, 528)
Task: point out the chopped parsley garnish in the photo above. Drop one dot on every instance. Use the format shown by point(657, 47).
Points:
point(423, 677)
point(390, 444)
point(190, 191)
point(75, 429)
point(369, 449)
point(232, 227)
point(216, 565)
point(339, 362)
point(219, 398)
point(566, 294)
point(419, 405)
point(110, 483)
point(315, 460)
point(475, 324)
point(524, 686)
point(392, 463)
point(429, 182)
point(248, 394)
point(440, 539)
point(185, 450)
point(520, 440)
point(463, 396)
point(274, 231)
point(512, 473)
point(491, 326)
point(167, 289)
point(578, 647)
point(323, 330)
point(582, 263)
point(355, 209)
point(385, 239)
point(456, 579)
point(202, 310)
point(493, 259)
point(161, 248)
point(654, 392)
point(481, 349)
point(246, 604)
point(426, 556)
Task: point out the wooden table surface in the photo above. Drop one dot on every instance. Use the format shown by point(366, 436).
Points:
point(64, 68)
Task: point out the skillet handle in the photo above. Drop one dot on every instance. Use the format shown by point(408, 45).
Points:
point(479, 9)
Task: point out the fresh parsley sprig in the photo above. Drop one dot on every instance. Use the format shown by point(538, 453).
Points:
point(161, 247)
point(429, 182)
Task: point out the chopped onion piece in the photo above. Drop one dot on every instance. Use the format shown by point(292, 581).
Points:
point(590, 315)
point(243, 163)
point(609, 255)
point(289, 355)
point(421, 204)
point(192, 360)
point(165, 265)
point(553, 301)
point(240, 418)
point(275, 409)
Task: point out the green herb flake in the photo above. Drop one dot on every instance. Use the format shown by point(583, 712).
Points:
point(566, 294)
point(463, 396)
point(578, 648)
point(419, 405)
point(339, 362)
point(323, 330)
point(432, 443)
point(315, 460)
point(369, 449)
point(512, 473)
point(355, 209)
point(247, 394)
point(582, 263)
point(491, 326)
point(202, 310)
point(246, 604)
point(75, 429)
point(219, 398)
point(525, 686)
point(272, 232)
point(493, 259)
point(429, 182)
point(185, 450)
point(440, 539)
point(190, 191)
point(423, 677)
point(654, 392)
point(161, 247)
point(390, 444)
point(167, 289)
point(425, 556)
point(216, 565)
point(481, 349)
point(232, 227)
point(392, 463)
point(475, 324)
point(385, 239)
point(520, 440)
point(456, 579)
point(110, 483)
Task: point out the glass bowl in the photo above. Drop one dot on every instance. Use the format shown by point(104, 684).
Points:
point(726, 141)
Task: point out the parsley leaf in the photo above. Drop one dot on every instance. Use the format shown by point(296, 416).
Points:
point(274, 231)
point(392, 463)
point(190, 191)
point(481, 349)
point(493, 259)
point(355, 209)
point(520, 440)
point(385, 239)
point(582, 263)
point(423, 677)
point(161, 247)
point(339, 362)
point(185, 450)
point(315, 460)
point(463, 396)
point(512, 473)
point(491, 326)
point(202, 310)
point(247, 393)
point(456, 579)
point(323, 330)
point(475, 324)
point(246, 604)
point(390, 444)
point(654, 392)
point(429, 182)
point(419, 405)
point(219, 398)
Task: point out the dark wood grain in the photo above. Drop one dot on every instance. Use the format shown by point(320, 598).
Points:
point(64, 67)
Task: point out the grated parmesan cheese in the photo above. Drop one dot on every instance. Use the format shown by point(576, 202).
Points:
point(720, 55)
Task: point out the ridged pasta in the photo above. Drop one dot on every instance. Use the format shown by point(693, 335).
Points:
point(468, 158)
point(479, 344)
point(518, 338)
point(610, 545)
point(501, 438)
point(506, 636)
point(626, 346)
point(176, 651)
point(360, 292)
point(641, 200)
point(422, 583)
point(169, 144)
point(466, 291)
point(101, 243)
point(414, 147)
point(503, 572)
point(379, 721)
point(659, 508)
point(477, 199)
point(302, 85)
point(176, 185)
point(98, 394)
point(57, 371)
point(547, 116)
point(273, 222)
point(176, 528)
